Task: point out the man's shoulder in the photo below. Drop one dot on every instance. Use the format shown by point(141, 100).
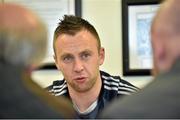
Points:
point(110, 78)
point(116, 85)
point(58, 87)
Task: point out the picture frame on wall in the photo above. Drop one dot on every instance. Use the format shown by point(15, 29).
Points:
point(50, 11)
point(137, 16)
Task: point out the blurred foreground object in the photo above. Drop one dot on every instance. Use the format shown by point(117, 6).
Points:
point(23, 41)
point(161, 98)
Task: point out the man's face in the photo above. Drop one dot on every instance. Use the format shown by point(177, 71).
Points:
point(77, 57)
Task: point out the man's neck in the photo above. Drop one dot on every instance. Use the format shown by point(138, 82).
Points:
point(84, 99)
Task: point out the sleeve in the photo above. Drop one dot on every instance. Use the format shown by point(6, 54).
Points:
point(126, 88)
point(50, 89)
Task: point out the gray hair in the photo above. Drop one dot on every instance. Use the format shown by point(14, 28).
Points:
point(24, 45)
point(23, 50)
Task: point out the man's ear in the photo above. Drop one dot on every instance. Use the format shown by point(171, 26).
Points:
point(56, 62)
point(101, 56)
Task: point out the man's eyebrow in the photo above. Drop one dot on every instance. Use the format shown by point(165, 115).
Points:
point(65, 55)
point(86, 51)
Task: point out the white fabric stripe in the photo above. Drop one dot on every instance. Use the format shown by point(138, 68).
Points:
point(124, 93)
point(124, 88)
point(121, 84)
point(58, 90)
point(51, 91)
point(110, 83)
point(119, 89)
point(114, 83)
point(107, 78)
point(110, 88)
point(62, 92)
point(59, 86)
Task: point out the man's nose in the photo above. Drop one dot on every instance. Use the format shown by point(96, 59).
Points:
point(78, 65)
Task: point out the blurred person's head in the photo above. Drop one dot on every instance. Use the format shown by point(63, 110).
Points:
point(23, 43)
point(23, 36)
point(165, 34)
point(78, 53)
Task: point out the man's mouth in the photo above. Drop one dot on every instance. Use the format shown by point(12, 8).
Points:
point(80, 79)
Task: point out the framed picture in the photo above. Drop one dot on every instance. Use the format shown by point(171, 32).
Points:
point(51, 11)
point(137, 17)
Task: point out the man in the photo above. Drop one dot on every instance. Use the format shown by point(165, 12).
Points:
point(23, 39)
point(161, 99)
point(78, 55)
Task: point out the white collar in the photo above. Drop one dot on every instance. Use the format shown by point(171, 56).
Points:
point(88, 110)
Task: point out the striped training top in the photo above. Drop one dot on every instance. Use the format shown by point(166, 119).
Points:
point(112, 87)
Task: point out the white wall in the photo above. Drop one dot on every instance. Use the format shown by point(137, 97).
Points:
point(105, 15)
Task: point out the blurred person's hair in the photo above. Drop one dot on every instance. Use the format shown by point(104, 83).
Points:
point(22, 45)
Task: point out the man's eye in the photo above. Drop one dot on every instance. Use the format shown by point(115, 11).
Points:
point(85, 56)
point(67, 59)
